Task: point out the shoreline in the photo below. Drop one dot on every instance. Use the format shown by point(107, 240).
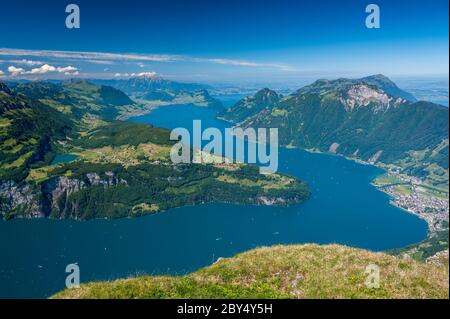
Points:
point(433, 220)
point(407, 178)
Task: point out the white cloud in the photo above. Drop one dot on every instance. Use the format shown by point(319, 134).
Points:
point(46, 68)
point(41, 70)
point(109, 58)
point(143, 74)
point(15, 71)
point(66, 69)
point(1, 72)
point(124, 75)
point(279, 66)
point(102, 62)
point(147, 74)
point(23, 62)
point(28, 62)
point(72, 73)
point(91, 56)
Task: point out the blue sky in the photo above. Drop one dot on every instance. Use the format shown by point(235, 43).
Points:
point(229, 41)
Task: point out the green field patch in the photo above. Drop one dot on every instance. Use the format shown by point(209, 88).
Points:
point(386, 180)
point(18, 162)
point(126, 155)
point(279, 112)
point(32, 141)
point(16, 149)
point(404, 189)
point(145, 208)
point(9, 143)
point(40, 174)
point(4, 123)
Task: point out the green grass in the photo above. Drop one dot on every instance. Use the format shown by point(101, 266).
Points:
point(4, 123)
point(279, 112)
point(18, 162)
point(439, 192)
point(387, 179)
point(429, 247)
point(124, 133)
point(273, 181)
point(297, 271)
point(403, 189)
point(9, 143)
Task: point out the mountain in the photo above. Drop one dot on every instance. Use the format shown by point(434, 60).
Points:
point(379, 81)
point(385, 84)
point(250, 105)
point(357, 119)
point(203, 98)
point(287, 272)
point(118, 169)
point(28, 130)
point(139, 85)
point(156, 91)
point(159, 95)
point(77, 97)
point(200, 98)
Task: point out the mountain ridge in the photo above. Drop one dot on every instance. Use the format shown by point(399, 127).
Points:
point(380, 81)
point(357, 120)
point(145, 84)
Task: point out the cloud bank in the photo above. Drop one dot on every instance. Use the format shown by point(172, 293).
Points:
point(110, 58)
point(46, 68)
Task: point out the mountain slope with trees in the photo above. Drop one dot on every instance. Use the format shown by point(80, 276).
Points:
point(120, 169)
point(358, 119)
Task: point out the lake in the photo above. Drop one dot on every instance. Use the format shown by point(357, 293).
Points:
point(64, 158)
point(344, 209)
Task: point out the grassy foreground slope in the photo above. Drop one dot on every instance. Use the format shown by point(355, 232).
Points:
point(297, 271)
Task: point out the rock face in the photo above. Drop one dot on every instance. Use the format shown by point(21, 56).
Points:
point(361, 95)
point(57, 192)
point(51, 199)
point(23, 199)
point(378, 82)
point(385, 84)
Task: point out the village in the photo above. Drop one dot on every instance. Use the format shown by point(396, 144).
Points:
point(409, 194)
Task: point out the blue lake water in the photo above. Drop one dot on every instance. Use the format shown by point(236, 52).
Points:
point(344, 209)
point(64, 158)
